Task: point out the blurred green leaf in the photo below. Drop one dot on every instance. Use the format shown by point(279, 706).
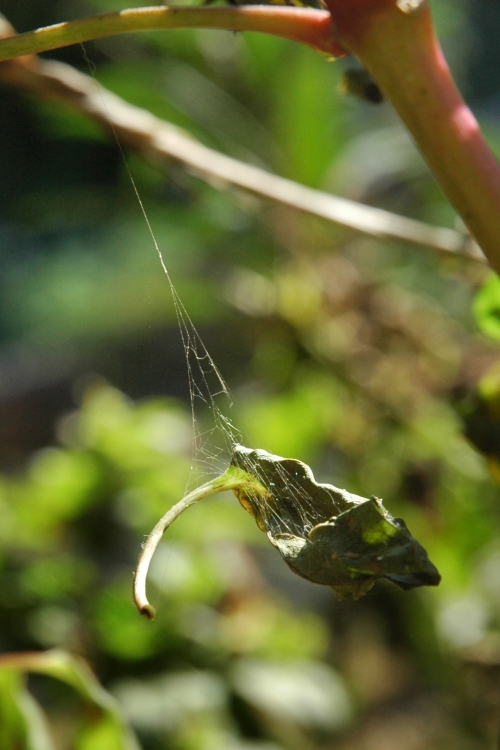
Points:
point(311, 405)
point(308, 123)
point(120, 631)
point(487, 307)
point(109, 729)
point(13, 724)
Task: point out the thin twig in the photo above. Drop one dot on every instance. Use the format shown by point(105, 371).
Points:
point(157, 140)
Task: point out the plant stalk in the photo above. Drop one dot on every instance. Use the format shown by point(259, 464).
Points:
point(399, 49)
point(306, 25)
point(402, 53)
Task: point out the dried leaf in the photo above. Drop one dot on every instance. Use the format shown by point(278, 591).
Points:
point(325, 534)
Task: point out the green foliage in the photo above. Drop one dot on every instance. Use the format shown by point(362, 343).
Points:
point(487, 307)
point(349, 353)
point(22, 722)
point(137, 461)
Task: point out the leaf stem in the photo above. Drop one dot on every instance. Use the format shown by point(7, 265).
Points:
point(230, 480)
point(312, 27)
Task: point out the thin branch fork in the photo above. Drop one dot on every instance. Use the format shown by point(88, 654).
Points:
point(158, 140)
point(396, 43)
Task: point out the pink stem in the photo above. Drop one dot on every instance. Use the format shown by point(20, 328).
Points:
point(398, 48)
point(402, 53)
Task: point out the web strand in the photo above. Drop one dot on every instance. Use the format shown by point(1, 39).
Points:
point(201, 368)
point(208, 455)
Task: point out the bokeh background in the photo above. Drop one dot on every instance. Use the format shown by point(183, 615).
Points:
point(359, 356)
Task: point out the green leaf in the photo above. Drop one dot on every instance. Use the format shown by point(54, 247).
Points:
point(486, 307)
point(325, 534)
point(108, 730)
point(22, 723)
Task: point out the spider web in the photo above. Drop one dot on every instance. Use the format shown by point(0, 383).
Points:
point(291, 501)
point(292, 509)
point(205, 382)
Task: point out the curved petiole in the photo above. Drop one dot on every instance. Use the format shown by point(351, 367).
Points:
point(230, 480)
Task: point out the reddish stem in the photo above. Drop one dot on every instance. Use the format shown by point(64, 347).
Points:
point(402, 53)
point(306, 25)
point(398, 48)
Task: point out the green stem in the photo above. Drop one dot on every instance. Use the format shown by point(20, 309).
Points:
point(232, 479)
point(305, 25)
point(403, 54)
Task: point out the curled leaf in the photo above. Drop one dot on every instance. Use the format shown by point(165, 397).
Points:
point(325, 534)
